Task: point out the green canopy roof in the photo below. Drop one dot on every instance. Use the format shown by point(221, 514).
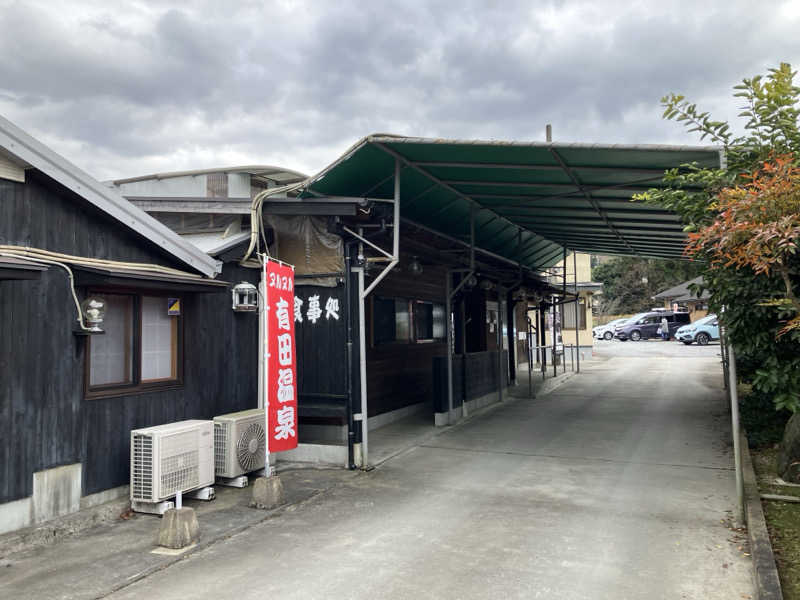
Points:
point(530, 200)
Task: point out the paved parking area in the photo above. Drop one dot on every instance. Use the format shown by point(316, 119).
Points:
point(655, 348)
point(618, 485)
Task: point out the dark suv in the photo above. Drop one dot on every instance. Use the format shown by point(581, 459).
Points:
point(645, 325)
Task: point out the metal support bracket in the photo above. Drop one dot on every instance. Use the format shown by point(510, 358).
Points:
point(204, 493)
point(238, 482)
point(153, 508)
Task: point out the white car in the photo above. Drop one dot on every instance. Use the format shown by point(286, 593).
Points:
point(606, 332)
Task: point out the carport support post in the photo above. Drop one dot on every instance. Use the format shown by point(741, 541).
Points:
point(362, 296)
point(577, 303)
point(737, 451)
point(362, 360)
point(499, 343)
point(553, 311)
point(529, 338)
point(449, 329)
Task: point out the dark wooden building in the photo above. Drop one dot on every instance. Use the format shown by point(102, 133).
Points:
point(172, 349)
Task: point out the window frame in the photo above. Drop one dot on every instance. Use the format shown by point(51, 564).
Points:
point(136, 386)
point(374, 341)
point(432, 339)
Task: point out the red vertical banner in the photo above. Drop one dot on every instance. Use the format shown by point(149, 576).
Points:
point(281, 371)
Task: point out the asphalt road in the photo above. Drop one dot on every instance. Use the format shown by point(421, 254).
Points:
point(618, 485)
point(655, 348)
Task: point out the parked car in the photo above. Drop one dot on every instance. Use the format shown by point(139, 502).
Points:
point(606, 332)
point(648, 324)
point(701, 331)
point(680, 319)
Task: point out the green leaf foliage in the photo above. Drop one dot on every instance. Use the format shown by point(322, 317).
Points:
point(624, 291)
point(754, 305)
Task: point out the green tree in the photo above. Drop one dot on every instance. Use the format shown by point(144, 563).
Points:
point(754, 299)
point(629, 282)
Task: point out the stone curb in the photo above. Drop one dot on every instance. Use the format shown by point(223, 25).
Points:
point(765, 573)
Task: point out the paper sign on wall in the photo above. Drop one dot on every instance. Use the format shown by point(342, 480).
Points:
point(281, 371)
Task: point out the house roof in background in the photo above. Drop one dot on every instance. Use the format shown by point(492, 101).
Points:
point(531, 199)
point(682, 292)
point(32, 153)
point(216, 243)
point(280, 175)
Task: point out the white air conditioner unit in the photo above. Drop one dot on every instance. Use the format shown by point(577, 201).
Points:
point(239, 443)
point(166, 459)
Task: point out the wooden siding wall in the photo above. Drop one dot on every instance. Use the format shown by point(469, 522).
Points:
point(401, 374)
point(47, 421)
point(479, 379)
point(322, 355)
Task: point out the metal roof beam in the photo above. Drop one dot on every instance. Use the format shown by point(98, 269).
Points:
point(586, 193)
point(495, 216)
point(667, 251)
point(429, 175)
point(582, 227)
point(584, 188)
point(657, 173)
point(625, 252)
point(552, 255)
point(559, 186)
point(621, 221)
point(634, 238)
point(443, 209)
point(382, 181)
point(533, 197)
point(455, 240)
point(413, 200)
point(536, 252)
point(612, 205)
point(536, 244)
point(630, 239)
point(495, 237)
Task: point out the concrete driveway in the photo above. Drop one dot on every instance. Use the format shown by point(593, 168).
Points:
point(616, 485)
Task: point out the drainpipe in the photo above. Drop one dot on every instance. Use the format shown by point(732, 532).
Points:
point(351, 433)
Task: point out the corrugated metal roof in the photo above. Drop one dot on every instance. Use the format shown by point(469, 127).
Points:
point(531, 199)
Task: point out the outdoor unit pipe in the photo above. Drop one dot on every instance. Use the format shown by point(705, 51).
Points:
point(81, 324)
point(45, 255)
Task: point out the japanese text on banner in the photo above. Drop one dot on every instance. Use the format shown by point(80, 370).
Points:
point(281, 357)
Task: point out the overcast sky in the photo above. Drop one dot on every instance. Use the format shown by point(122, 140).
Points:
point(158, 86)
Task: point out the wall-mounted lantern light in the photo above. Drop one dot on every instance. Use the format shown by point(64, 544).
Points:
point(414, 267)
point(245, 297)
point(471, 282)
point(94, 311)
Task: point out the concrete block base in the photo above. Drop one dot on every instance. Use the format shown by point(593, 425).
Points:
point(267, 492)
point(324, 454)
point(179, 528)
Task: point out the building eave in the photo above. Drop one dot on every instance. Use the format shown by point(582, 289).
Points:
point(35, 154)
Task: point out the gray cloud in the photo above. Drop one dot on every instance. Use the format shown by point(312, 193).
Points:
point(161, 86)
